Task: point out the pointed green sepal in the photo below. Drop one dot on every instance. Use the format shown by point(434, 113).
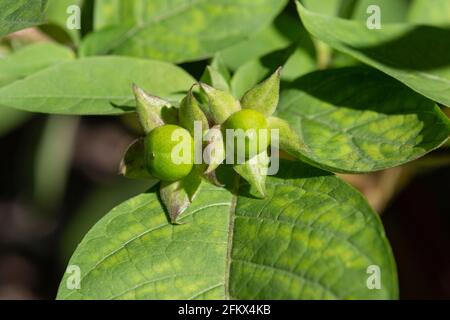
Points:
point(153, 111)
point(264, 97)
point(214, 152)
point(178, 195)
point(221, 104)
point(175, 199)
point(255, 171)
point(288, 140)
point(190, 112)
point(133, 163)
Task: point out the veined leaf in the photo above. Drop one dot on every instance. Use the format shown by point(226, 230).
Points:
point(98, 85)
point(359, 120)
point(312, 237)
point(278, 35)
point(181, 30)
point(400, 50)
point(100, 200)
point(20, 14)
point(109, 13)
point(296, 61)
point(31, 59)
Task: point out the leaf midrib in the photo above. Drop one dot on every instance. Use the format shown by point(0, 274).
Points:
point(231, 219)
point(140, 235)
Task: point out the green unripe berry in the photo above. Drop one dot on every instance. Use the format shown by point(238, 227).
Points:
point(169, 152)
point(248, 119)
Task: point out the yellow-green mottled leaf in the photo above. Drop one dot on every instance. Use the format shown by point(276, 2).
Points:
point(400, 50)
point(360, 120)
point(115, 12)
point(20, 14)
point(312, 237)
point(177, 30)
point(97, 85)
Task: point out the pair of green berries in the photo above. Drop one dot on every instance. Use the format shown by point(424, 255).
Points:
point(159, 144)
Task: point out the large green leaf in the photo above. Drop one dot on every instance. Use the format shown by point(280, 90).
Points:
point(360, 120)
point(20, 14)
point(436, 12)
point(312, 237)
point(31, 59)
point(179, 30)
point(22, 63)
point(296, 60)
point(276, 36)
point(97, 202)
point(391, 10)
point(400, 50)
point(328, 7)
point(98, 85)
point(109, 13)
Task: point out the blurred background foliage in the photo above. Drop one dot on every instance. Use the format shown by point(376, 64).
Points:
point(58, 174)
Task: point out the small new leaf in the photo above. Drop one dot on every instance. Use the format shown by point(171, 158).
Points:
point(190, 112)
point(178, 195)
point(153, 111)
point(221, 104)
point(175, 199)
point(265, 96)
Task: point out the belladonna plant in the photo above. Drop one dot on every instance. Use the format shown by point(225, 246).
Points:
point(274, 220)
point(170, 130)
point(214, 229)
